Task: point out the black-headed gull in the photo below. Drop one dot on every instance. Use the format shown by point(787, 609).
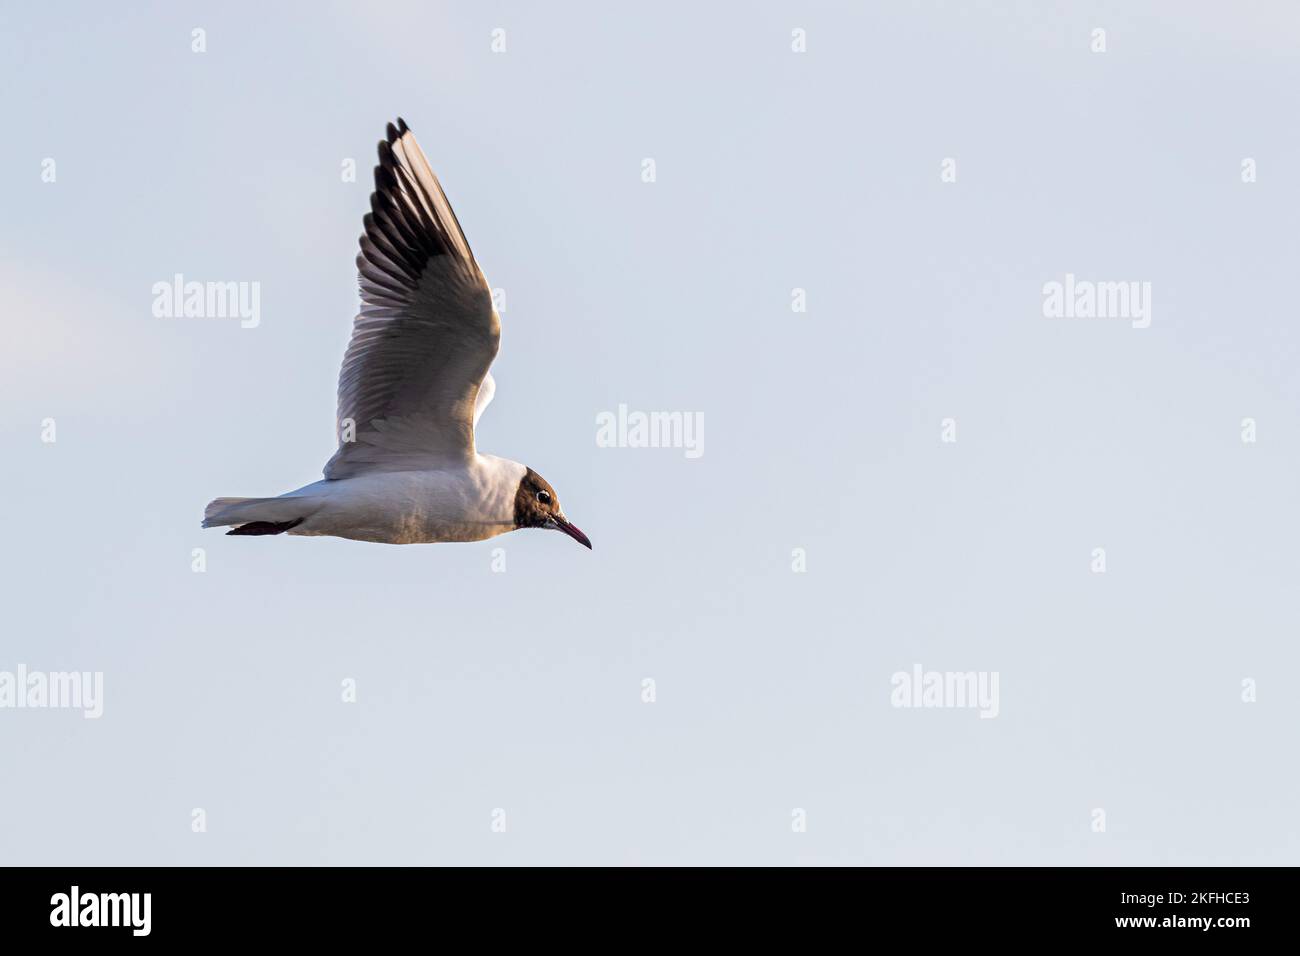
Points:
point(414, 382)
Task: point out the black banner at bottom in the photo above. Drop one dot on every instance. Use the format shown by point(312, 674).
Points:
point(368, 905)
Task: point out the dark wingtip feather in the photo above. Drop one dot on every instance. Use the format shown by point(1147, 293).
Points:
point(265, 527)
point(385, 178)
point(401, 125)
point(393, 135)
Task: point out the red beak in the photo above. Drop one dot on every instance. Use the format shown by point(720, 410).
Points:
point(573, 531)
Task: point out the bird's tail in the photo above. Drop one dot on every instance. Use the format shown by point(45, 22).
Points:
point(260, 515)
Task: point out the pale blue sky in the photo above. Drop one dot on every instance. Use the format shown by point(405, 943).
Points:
point(776, 170)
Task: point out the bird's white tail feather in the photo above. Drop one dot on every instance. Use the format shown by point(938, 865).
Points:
point(231, 511)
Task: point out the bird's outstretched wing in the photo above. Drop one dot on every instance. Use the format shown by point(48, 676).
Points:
point(426, 334)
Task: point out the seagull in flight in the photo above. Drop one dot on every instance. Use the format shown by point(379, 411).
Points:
point(414, 382)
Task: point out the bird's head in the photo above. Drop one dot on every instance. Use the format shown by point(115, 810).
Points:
point(537, 506)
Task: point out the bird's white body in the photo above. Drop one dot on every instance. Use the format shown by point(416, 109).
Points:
point(465, 503)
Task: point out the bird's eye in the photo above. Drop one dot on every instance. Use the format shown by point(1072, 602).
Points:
point(544, 497)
